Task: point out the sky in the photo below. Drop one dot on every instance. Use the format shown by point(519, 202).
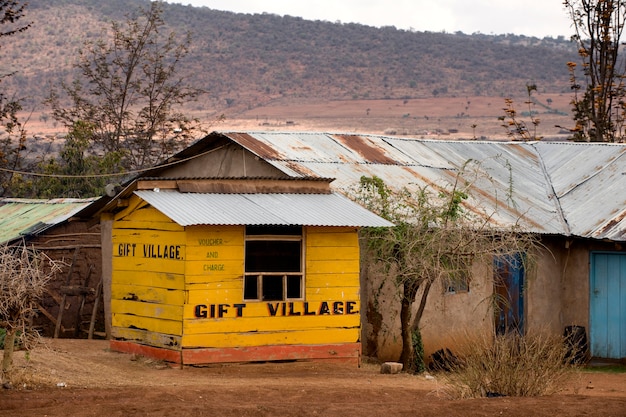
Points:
point(538, 18)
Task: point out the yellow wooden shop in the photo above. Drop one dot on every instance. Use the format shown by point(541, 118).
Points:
point(219, 275)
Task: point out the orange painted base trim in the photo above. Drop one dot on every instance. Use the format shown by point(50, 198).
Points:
point(174, 356)
point(345, 352)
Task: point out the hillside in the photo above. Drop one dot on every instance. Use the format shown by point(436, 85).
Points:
point(248, 62)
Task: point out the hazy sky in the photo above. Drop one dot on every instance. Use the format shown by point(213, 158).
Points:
point(523, 17)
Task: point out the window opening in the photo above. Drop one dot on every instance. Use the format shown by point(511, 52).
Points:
point(459, 275)
point(273, 263)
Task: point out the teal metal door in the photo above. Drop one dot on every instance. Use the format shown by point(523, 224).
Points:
point(607, 293)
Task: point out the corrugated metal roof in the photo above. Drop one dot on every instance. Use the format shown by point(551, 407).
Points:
point(188, 209)
point(545, 187)
point(22, 217)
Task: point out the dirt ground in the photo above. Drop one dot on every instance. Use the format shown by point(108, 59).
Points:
point(84, 378)
point(432, 118)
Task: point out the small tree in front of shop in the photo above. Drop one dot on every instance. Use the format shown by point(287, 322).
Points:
point(434, 240)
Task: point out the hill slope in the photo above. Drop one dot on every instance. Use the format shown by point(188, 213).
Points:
point(249, 61)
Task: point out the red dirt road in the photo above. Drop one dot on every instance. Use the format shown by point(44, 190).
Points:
point(96, 382)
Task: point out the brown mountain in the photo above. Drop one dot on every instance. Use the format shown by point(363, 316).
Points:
point(248, 62)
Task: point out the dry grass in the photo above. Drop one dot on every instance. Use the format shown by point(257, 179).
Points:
point(510, 365)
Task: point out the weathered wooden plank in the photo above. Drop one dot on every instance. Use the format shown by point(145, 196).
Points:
point(332, 267)
point(148, 225)
point(216, 296)
point(271, 310)
point(233, 282)
point(205, 271)
point(303, 337)
point(150, 279)
point(335, 279)
point(141, 265)
point(148, 294)
point(146, 214)
point(163, 237)
point(152, 324)
point(321, 237)
point(133, 203)
point(214, 253)
point(168, 341)
point(333, 293)
point(156, 251)
point(168, 355)
point(151, 310)
point(215, 237)
point(346, 352)
point(266, 324)
point(330, 253)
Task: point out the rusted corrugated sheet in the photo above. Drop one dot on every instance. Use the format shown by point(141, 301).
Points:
point(20, 217)
point(545, 187)
point(188, 209)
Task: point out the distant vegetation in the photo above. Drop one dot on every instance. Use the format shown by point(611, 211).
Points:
point(246, 60)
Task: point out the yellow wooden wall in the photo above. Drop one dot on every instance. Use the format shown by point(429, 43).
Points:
point(148, 277)
point(166, 277)
point(331, 276)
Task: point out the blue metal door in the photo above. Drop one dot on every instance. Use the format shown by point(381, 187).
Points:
point(509, 292)
point(607, 293)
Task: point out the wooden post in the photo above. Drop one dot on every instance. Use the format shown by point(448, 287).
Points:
point(83, 295)
point(62, 305)
point(94, 312)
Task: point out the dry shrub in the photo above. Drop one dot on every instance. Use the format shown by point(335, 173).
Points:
point(510, 365)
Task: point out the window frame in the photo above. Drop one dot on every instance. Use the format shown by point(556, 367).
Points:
point(459, 281)
point(261, 275)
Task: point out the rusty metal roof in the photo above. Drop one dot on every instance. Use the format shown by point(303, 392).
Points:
point(545, 187)
point(188, 209)
point(25, 217)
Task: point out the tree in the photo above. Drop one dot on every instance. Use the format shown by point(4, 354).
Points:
point(516, 128)
point(23, 276)
point(433, 241)
point(599, 106)
point(128, 89)
point(12, 144)
point(74, 172)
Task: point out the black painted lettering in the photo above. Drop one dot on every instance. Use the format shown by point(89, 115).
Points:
point(324, 308)
point(201, 311)
point(338, 307)
point(284, 308)
point(306, 310)
point(292, 312)
point(126, 249)
point(239, 308)
point(272, 308)
point(222, 309)
point(350, 305)
point(212, 311)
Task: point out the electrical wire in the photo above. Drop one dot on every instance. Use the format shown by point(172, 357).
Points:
point(136, 171)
